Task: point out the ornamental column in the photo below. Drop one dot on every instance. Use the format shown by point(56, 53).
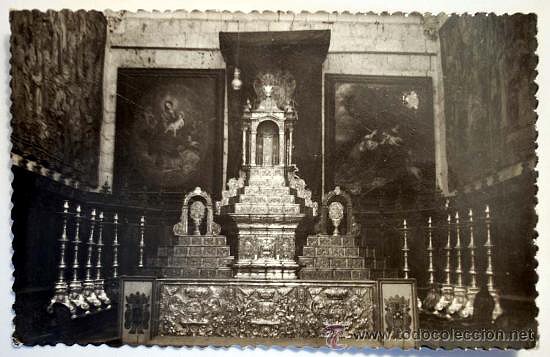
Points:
point(244, 146)
point(290, 130)
point(253, 146)
point(281, 147)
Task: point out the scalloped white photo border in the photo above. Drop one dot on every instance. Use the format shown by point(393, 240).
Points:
point(540, 7)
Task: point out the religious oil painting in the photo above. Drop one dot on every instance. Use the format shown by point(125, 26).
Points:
point(381, 135)
point(322, 179)
point(169, 122)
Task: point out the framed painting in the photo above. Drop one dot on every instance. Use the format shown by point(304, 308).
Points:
point(169, 130)
point(398, 312)
point(379, 135)
point(135, 309)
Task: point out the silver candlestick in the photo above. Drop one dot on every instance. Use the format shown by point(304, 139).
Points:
point(447, 289)
point(405, 250)
point(115, 246)
point(99, 283)
point(497, 310)
point(89, 284)
point(61, 295)
point(472, 287)
point(459, 291)
point(433, 296)
point(141, 241)
point(448, 250)
point(75, 286)
point(430, 249)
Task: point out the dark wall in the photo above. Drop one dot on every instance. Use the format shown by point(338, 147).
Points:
point(57, 70)
point(488, 72)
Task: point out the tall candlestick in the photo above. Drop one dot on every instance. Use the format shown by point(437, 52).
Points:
point(76, 284)
point(443, 306)
point(497, 310)
point(89, 284)
point(472, 248)
point(448, 252)
point(99, 282)
point(459, 299)
point(141, 241)
point(458, 251)
point(472, 288)
point(431, 271)
point(489, 248)
point(61, 289)
point(99, 246)
point(405, 251)
point(115, 246)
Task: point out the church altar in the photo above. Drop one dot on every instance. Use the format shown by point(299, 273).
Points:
point(200, 290)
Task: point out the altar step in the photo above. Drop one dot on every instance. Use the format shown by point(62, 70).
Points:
point(203, 273)
point(329, 257)
point(266, 199)
point(333, 262)
point(251, 208)
point(334, 274)
point(266, 190)
point(194, 257)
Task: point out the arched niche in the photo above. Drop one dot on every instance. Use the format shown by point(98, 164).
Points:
point(267, 143)
point(337, 195)
point(182, 228)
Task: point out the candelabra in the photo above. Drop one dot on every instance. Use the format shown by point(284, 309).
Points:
point(61, 289)
point(497, 310)
point(99, 283)
point(430, 249)
point(141, 241)
point(459, 290)
point(89, 283)
point(405, 251)
point(447, 289)
point(115, 246)
point(75, 286)
point(433, 296)
point(472, 288)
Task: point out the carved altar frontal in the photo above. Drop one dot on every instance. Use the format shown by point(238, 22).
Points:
point(273, 309)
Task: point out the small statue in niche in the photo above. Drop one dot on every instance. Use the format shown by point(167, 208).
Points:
point(197, 212)
point(336, 213)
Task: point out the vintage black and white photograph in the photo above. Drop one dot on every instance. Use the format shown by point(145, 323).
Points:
point(315, 179)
